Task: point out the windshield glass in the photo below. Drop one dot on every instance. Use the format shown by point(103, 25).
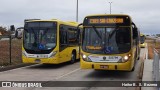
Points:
point(39, 38)
point(106, 40)
point(142, 39)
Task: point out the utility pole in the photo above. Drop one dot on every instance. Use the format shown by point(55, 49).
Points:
point(77, 12)
point(110, 6)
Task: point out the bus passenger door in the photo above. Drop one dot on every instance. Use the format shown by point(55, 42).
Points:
point(63, 44)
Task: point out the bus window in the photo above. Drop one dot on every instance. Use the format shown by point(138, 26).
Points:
point(142, 39)
point(135, 36)
point(63, 36)
point(118, 40)
point(72, 36)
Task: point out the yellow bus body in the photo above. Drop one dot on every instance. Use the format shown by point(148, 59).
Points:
point(120, 66)
point(125, 66)
point(143, 45)
point(60, 56)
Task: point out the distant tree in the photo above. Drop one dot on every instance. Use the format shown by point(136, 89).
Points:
point(158, 35)
point(4, 31)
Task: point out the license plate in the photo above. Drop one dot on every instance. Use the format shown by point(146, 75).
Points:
point(37, 61)
point(42, 56)
point(104, 66)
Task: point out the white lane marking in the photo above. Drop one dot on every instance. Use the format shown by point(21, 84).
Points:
point(67, 73)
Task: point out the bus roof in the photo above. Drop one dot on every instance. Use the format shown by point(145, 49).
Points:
point(142, 34)
point(108, 15)
point(53, 20)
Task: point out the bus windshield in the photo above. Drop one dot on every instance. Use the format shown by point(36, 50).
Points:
point(142, 39)
point(38, 38)
point(103, 40)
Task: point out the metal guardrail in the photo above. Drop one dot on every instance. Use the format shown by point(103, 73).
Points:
point(4, 36)
point(156, 66)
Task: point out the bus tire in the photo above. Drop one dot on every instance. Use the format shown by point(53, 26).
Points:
point(134, 65)
point(138, 58)
point(133, 69)
point(73, 58)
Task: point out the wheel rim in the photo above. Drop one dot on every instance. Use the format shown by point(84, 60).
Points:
point(73, 57)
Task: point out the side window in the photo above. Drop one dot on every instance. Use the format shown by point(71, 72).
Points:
point(135, 32)
point(72, 35)
point(135, 35)
point(63, 35)
point(68, 35)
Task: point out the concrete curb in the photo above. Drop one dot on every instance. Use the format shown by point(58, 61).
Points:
point(147, 74)
point(5, 68)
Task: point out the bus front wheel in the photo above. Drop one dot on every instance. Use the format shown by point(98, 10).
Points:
point(134, 66)
point(133, 69)
point(73, 57)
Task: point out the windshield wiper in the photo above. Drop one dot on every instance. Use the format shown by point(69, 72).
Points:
point(94, 28)
point(110, 36)
point(112, 33)
point(25, 29)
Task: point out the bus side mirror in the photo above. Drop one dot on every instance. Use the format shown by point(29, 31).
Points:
point(135, 33)
point(79, 34)
point(12, 28)
point(16, 34)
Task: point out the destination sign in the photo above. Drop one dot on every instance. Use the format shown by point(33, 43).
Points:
point(105, 20)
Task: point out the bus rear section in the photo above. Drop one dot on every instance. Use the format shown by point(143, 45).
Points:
point(142, 39)
point(107, 43)
point(50, 42)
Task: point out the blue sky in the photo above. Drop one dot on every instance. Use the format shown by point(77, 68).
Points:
point(145, 13)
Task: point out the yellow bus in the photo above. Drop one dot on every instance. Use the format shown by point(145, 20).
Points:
point(109, 42)
point(50, 41)
point(142, 39)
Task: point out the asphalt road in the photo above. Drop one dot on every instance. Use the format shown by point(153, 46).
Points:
point(70, 72)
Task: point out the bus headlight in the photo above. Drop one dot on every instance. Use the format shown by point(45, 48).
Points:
point(53, 54)
point(126, 58)
point(85, 58)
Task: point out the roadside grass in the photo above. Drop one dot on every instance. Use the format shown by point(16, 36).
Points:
point(16, 57)
point(157, 45)
point(152, 44)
